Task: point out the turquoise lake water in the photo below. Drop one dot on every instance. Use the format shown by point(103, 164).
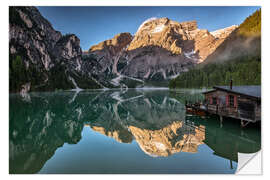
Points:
point(122, 131)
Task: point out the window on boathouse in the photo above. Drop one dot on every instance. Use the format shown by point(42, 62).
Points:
point(231, 100)
point(214, 101)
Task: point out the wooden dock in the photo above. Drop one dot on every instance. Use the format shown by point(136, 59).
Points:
point(230, 102)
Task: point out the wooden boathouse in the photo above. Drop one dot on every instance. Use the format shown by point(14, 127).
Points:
point(239, 102)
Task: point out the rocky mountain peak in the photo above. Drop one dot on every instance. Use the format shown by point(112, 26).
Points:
point(41, 56)
point(30, 18)
point(31, 35)
point(68, 47)
point(189, 25)
point(109, 51)
point(160, 49)
point(164, 33)
point(116, 43)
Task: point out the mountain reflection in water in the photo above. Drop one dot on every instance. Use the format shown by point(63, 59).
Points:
point(41, 123)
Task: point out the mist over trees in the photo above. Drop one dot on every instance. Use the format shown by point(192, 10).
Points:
point(242, 64)
point(243, 71)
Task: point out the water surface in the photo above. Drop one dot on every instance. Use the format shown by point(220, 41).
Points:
point(133, 131)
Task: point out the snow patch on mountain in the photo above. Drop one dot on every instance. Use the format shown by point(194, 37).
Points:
point(159, 28)
point(77, 89)
point(190, 54)
point(226, 30)
point(205, 35)
point(146, 21)
point(147, 74)
point(116, 81)
point(173, 76)
point(103, 87)
point(135, 79)
point(160, 146)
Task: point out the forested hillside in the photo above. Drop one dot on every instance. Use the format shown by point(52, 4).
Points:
point(246, 71)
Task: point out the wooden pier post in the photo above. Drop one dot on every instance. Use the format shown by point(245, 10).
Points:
point(221, 120)
point(242, 132)
point(242, 123)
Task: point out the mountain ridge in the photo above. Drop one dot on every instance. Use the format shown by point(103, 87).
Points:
point(42, 59)
point(159, 50)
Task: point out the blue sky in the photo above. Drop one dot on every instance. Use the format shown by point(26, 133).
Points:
point(95, 24)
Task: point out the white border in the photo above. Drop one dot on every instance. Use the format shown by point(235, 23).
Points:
point(136, 3)
point(265, 75)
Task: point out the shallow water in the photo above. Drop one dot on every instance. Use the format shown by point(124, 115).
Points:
point(133, 131)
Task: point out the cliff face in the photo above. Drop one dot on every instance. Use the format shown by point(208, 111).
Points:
point(108, 52)
point(40, 55)
point(28, 34)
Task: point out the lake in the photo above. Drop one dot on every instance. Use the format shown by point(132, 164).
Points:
point(122, 131)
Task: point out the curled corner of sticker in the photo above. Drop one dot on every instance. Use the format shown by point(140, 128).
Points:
point(249, 163)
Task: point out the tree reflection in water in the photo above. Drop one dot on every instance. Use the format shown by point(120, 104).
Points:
point(156, 120)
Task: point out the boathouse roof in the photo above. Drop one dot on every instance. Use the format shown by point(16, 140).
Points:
point(253, 91)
